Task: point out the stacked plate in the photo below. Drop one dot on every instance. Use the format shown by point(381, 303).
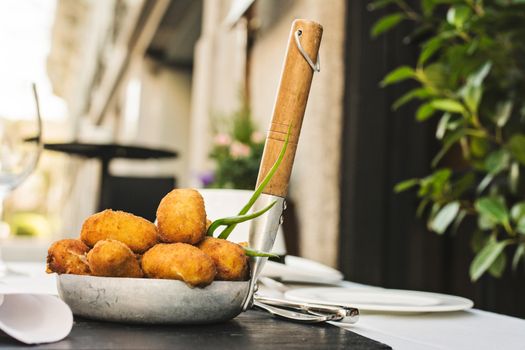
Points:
point(303, 271)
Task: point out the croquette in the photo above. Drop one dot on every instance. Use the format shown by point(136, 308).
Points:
point(68, 256)
point(112, 258)
point(179, 261)
point(181, 217)
point(137, 233)
point(229, 258)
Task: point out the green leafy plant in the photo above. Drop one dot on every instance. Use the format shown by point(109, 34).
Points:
point(470, 74)
point(237, 151)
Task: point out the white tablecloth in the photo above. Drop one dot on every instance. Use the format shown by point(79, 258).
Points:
point(473, 329)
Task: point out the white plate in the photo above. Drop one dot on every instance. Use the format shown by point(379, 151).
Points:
point(376, 299)
point(296, 269)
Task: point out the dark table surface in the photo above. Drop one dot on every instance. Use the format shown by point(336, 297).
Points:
point(252, 330)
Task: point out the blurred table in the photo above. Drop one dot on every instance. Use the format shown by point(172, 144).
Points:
point(105, 153)
point(25, 249)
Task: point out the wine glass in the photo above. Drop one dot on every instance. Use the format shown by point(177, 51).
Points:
point(20, 142)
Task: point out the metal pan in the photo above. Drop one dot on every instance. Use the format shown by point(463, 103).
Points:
point(143, 300)
point(156, 301)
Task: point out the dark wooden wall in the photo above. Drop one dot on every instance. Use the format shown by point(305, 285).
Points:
point(381, 240)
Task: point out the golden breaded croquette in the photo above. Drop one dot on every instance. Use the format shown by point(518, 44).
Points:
point(181, 217)
point(68, 256)
point(137, 233)
point(229, 258)
point(112, 258)
point(179, 261)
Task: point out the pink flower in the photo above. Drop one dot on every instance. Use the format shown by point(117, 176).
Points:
point(257, 137)
point(239, 150)
point(222, 140)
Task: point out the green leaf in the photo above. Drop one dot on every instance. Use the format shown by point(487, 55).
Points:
point(502, 114)
point(493, 209)
point(520, 226)
point(463, 184)
point(476, 78)
point(479, 147)
point(424, 112)
point(419, 93)
point(497, 161)
point(484, 183)
point(444, 217)
point(435, 75)
point(379, 4)
point(457, 15)
point(428, 6)
point(520, 252)
point(455, 124)
point(429, 48)
point(442, 125)
point(459, 219)
point(421, 207)
point(485, 258)
point(478, 241)
point(448, 105)
point(484, 223)
point(473, 46)
point(434, 182)
point(471, 95)
point(514, 177)
point(473, 89)
point(397, 75)
point(518, 211)
point(405, 185)
point(436, 207)
point(516, 146)
point(449, 141)
point(386, 23)
point(498, 266)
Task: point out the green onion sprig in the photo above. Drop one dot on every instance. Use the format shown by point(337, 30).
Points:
point(257, 253)
point(256, 194)
point(235, 220)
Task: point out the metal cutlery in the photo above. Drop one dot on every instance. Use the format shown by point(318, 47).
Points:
point(324, 312)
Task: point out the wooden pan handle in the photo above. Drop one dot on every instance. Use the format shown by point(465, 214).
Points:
point(294, 87)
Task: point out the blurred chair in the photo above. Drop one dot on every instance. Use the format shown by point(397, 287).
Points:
point(137, 195)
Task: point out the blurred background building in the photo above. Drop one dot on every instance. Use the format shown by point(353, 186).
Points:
point(155, 73)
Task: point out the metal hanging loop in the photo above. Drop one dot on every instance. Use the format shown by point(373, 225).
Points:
point(315, 66)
